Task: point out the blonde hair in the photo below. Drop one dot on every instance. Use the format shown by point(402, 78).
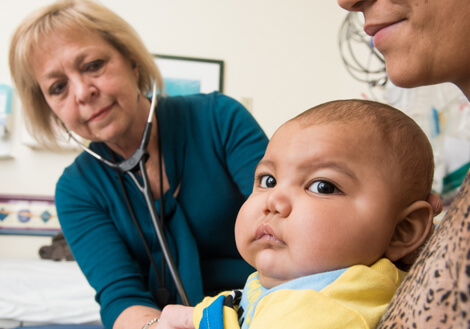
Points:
point(401, 138)
point(71, 16)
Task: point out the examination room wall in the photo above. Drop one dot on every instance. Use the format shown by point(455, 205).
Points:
point(281, 57)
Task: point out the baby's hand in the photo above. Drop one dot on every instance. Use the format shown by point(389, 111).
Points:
point(176, 317)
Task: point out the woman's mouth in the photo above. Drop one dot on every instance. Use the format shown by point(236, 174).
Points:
point(372, 29)
point(380, 31)
point(100, 113)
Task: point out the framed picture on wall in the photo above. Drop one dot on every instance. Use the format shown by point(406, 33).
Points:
point(187, 75)
point(28, 215)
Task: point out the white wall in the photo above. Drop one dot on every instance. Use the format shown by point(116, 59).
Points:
point(281, 54)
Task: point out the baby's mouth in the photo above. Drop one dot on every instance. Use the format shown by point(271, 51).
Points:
point(265, 232)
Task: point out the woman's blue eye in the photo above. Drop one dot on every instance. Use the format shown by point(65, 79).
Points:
point(323, 187)
point(267, 181)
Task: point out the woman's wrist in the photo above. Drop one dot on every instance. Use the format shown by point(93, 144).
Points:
point(148, 324)
point(136, 316)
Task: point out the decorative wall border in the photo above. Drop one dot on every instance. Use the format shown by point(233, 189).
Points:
point(28, 215)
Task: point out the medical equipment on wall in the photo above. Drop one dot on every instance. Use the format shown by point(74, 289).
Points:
point(131, 167)
point(362, 60)
point(5, 120)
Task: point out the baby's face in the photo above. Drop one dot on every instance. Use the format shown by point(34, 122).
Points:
point(322, 200)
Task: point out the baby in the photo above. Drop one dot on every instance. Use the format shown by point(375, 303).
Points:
point(338, 207)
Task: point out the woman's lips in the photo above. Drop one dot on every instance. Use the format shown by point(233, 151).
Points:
point(379, 31)
point(100, 113)
point(372, 29)
point(265, 232)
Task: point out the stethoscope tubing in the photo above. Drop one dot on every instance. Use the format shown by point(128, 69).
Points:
point(129, 166)
point(157, 224)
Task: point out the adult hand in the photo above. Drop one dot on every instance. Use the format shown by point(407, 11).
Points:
point(176, 317)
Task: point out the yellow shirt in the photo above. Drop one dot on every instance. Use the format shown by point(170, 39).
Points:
point(356, 298)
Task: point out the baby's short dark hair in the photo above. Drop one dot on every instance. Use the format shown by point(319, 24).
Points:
point(405, 142)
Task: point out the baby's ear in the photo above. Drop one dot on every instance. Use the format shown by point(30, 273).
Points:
point(412, 230)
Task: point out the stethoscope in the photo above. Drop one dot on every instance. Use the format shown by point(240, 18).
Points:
point(131, 167)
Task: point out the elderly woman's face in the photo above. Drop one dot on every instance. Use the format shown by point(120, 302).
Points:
point(88, 84)
point(423, 41)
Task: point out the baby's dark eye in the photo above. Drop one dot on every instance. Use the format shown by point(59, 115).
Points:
point(323, 187)
point(267, 181)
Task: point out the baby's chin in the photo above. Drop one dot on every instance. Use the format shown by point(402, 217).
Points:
point(271, 277)
point(271, 281)
point(274, 268)
point(271, 274)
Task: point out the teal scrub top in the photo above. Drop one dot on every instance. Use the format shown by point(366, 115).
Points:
point(211, 146)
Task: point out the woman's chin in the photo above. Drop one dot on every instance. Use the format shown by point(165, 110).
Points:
point(406, 75)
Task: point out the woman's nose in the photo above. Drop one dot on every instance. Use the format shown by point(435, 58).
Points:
point(353, 5)
point(84, 90)
point(279, 202)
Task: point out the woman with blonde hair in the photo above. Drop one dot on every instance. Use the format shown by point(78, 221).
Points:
point(79, 66)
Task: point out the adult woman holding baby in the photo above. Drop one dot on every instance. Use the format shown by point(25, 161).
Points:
point(426, 42)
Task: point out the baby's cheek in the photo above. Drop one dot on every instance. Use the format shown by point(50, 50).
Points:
point(242, 242)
